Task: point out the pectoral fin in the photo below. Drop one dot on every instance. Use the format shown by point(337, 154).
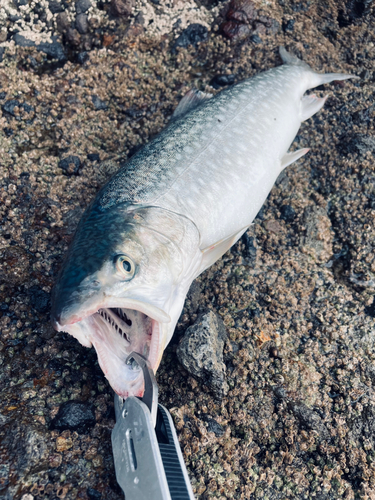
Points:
point(190, 101)
point(213, 252)
point(289, 158)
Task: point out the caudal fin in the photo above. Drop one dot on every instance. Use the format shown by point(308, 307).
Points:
point(316, 78)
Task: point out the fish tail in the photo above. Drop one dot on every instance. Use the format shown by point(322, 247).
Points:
point(316, 79)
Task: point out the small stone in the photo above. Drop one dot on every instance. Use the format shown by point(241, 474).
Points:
point(2, 52)
point(75, 416)
point(53, 50)
point(98, 103)
point(250, 250)
point(358, 144)
point(287, 213)
point(242, 11)
point(222, 81)
point(73, 37)
point(192, 35)
point(200, 351)
point(9, 106)
point(234, 30)
point(81, 23)
point(94, 494)
point(63, 444)
point(39, 299)
point(122, 8)
point(70, 164)
point(22, 41)
point(82, 6)
point(288, 25)
point(93, 157)
point(82, 57)
point(256, 39)
point(55, 6)
point(213, 426)
point(3, 35)
point(309, 419)
point(318, 237)
point(62, 22)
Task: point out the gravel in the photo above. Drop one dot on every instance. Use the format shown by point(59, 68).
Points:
point(296, 294)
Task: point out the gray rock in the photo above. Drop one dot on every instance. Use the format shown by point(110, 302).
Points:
point(98, 103)
point(318, 237)
point(310, 419)
point(62, 22)
point(75, 416)
point(81, 23)
point(82, 6)
point(22, 41)
point(53, 50)
point(200, 352)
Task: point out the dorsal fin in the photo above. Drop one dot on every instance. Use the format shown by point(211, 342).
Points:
point(289, 58)
point(190, 101)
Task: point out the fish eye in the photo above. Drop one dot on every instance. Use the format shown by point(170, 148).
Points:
point(125, 266)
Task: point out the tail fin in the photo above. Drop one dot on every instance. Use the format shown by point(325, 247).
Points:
point(317, 79)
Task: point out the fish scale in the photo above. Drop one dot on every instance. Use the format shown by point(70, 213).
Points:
point(175, 208)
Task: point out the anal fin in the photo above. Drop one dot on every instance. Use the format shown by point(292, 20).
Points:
point(289, 158)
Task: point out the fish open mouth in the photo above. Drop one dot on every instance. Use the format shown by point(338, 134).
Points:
point(115, 332)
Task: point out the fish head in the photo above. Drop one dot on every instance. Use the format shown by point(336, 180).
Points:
point(122, 289)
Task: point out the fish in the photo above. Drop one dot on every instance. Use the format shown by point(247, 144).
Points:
point(173, 209)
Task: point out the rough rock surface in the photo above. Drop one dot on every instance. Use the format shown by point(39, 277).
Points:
point(298, 419)
point(200, 351)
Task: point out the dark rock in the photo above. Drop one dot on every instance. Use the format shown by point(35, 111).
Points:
point(122, 8)
point(93, 157)
point(62, 22)
point(2, 95)
point(213, 426)
point(200, 351)
point(287, 213)
point(82, 24)
point(2, 52)
point(256, 39)
point(22, 41)
point(9, 106)
point(357, 144)
point(55, 6)
point(279, 392)
point(39, 299)
point(309, 419)
point(221, 81)
point(192, 35)
point(250, 250)
point(53, 50)
point(73, 37)
point(70, 164)
point(82, 6)
point(235, 30)
point(288, 25)
point(21, 2)
point(75, 416)
point(98, 103)
point(93, 494)
point(82, 57)
point(353, 10)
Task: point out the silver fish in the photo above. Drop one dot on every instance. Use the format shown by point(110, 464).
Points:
point(175, 208)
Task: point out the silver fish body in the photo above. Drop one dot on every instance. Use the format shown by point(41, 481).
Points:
point(176, 207)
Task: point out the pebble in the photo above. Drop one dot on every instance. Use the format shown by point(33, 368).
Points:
point(53, 50)
point(82, 24)
point(219, 81)
point(200, 351)
point(192, 35)
point(39, 299)
point(74, 416)
point(70, 164)
point(287, 213)
point(122, 8)
point(98, 103)
point(82, 6)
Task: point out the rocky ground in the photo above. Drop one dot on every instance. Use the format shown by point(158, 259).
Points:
point(291, 414)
